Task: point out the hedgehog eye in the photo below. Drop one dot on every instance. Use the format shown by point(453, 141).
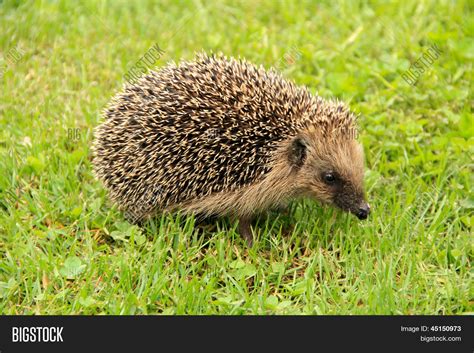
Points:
point(329, 178)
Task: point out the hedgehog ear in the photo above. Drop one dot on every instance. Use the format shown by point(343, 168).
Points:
point(297, 152)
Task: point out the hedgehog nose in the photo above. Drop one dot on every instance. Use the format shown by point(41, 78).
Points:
point(363, 211)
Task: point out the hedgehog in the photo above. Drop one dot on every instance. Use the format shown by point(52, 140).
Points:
point(218, 136)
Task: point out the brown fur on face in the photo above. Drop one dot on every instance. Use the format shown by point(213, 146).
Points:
point(316, 154)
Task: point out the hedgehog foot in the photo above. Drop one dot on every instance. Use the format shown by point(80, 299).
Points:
point(245, 230)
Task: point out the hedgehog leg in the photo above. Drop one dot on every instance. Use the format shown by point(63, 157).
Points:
point(283, 208)
point(245, 230)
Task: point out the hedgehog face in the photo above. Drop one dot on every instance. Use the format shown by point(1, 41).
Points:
point(331, 170)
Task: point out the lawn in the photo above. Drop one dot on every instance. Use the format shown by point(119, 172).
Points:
point(65, 249)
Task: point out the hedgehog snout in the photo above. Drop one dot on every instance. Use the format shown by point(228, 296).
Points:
point(363, 211)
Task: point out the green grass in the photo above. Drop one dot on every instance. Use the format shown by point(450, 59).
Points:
point(66, 250)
